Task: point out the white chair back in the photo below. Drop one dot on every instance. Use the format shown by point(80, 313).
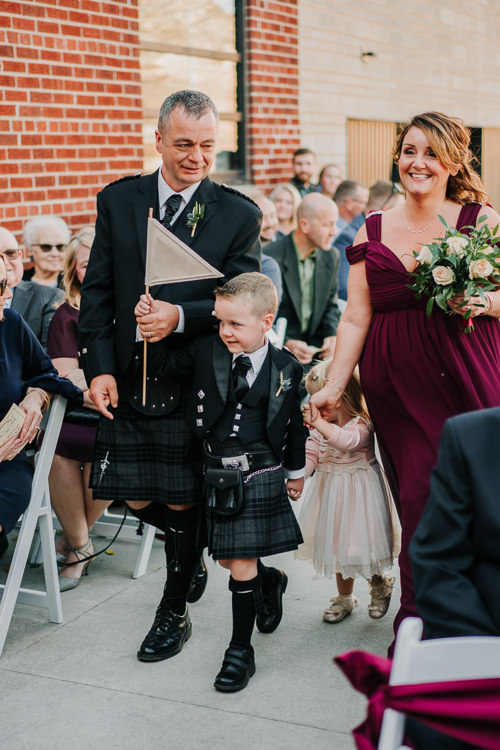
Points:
point(437, 660)
point(38, 511)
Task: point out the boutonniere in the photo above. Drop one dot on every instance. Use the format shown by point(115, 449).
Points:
point(285, 384)
point(195, 216)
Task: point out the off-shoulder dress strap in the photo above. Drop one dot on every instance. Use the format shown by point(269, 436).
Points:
point(373, 226)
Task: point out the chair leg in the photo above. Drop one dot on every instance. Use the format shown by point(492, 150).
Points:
point(145, 551)
point(50, 570)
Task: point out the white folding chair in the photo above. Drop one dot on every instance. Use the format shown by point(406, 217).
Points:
point(436, 660)
point(38, 511)
point(108, 524)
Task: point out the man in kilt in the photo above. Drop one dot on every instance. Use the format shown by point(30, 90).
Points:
point(146, 456)
point(245, 406)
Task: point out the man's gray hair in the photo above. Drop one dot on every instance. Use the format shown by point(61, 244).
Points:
point(32, 226)
point(347, 189)
point(194, 103)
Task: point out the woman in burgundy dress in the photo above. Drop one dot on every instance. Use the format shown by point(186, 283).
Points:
point(69, 477)
point(416, 371)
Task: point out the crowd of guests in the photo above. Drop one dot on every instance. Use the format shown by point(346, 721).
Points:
point(250, 402)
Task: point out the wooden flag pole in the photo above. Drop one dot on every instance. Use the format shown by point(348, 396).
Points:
point(145, 353)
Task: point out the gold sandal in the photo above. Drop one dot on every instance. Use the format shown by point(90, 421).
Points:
point(381, 598)
point(340, 607)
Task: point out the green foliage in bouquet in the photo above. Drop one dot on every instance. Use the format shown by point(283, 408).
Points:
point(458, 263)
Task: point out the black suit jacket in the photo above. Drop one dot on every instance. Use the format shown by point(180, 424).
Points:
point(36, 304)
point(227, 237)
point(455, 551)
point(325, 314)
point(208, 362)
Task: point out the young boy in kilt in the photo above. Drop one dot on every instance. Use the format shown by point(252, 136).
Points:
point(245, 407)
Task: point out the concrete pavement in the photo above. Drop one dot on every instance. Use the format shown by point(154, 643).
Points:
point(79, 685)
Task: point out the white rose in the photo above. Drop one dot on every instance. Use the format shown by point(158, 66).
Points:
point(425, 256)
point(456, 246)
point(480, 269)
point(443, 275)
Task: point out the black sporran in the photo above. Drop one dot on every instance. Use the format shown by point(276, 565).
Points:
point(224, 491)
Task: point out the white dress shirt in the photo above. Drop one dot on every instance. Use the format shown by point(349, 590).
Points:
point(257, 358)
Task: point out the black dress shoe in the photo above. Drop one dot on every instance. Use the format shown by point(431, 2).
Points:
point(237, 668)
point(198, 583)
point(4, 542)
point(268, 620)
point(167, 636)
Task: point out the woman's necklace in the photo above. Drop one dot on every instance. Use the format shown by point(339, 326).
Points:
point(419, 231)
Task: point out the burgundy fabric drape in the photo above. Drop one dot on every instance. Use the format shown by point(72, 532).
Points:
point(466, 709)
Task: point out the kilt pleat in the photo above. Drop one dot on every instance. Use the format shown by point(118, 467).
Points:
point(146, 458)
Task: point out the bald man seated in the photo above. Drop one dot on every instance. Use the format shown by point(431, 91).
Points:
point(309, 270)
point(34, 302)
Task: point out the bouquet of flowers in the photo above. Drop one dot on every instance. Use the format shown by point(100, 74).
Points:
point(458, 263)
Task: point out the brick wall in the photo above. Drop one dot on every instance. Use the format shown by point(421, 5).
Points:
point(70, 105)
point(272, 84)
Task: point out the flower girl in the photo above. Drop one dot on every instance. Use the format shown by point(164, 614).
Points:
point(345, 516)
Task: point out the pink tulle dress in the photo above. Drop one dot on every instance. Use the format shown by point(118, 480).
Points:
point(345, 516)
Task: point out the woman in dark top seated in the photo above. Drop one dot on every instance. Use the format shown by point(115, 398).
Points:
point(27, 376)
point(69, 477)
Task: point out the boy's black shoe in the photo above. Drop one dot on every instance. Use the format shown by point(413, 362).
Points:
point(268, 620)
point(167, 636)
point(199, 582)
point(4, 542)
point(237, 668)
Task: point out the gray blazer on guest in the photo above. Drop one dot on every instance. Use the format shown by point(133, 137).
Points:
point(36, 304)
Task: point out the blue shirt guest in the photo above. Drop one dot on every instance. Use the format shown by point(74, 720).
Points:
point(26, 376)
point(245, 406)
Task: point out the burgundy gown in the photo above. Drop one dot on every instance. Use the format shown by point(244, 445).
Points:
point(416, 372)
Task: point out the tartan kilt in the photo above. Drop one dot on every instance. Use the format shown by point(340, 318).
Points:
point(265, 526)
point(148, 458)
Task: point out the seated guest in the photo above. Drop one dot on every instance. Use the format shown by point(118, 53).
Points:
point(34, 302)
point(268, 230)
point(309, 269)
point(382, 196)
point(27, 376)
point(351, 198)
point(329, 179)
point(454, 552)
point(71, 497)
point(304, 167)
point(286, 198)
point(46, 237)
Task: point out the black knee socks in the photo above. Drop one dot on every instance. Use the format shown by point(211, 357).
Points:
point(266, 575)
point(154, 514)
point(243, 610)
point(182, 556)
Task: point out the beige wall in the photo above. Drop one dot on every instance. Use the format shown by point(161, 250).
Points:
point(430, 54)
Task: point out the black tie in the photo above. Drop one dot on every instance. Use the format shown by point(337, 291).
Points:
point(240, 382)
point(171, 208)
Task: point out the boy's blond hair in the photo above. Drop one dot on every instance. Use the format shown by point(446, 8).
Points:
point(352, 398)
point(255, 288)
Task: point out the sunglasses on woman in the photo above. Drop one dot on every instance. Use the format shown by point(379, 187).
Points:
point(3, 286)
point(45, 248)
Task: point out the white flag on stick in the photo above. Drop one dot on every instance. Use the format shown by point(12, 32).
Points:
point(169, 260)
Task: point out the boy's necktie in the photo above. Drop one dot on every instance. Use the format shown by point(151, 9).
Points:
point(240, 382)
point(171, 208)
